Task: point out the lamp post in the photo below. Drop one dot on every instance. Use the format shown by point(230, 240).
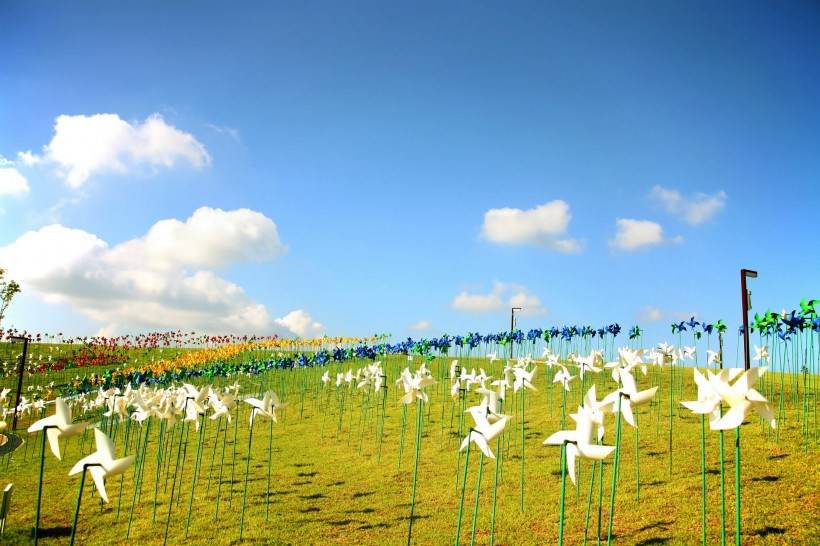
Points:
point(512, 327)
point(746, 304)
point(20, 367)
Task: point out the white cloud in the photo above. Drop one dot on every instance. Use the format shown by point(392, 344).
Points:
point(634, 234)
point(421, 325)
point(157, 281)
point(83, 146)
point(301, 323)
point(682, 315)
point(502, 296)
point(480, 303)
point(225, 130)
point(29, 159)
point(695, 210)
point(544, 225)
point(530, 304)
point(12, 182)
point(651, 314)
point(210, 238)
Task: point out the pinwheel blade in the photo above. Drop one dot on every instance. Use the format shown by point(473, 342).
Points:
point(591, 451)
point(558, 438)
point(732, 418)
point(53, 436)
point(119, 466)
point(642, 397)
point(571, 453)
point(98, 475)
point(481, 442)
point(626, 410)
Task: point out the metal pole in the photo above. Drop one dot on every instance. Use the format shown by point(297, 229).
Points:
point(20, 367)
point(512, 327)
point(744, 302)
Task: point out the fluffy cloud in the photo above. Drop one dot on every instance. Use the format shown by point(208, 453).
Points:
point(421, 325)
point(634, 234)
point(695, 210)
point(301, 323)
point(502, 296)
point(156, 281)
point(86, 145)
point(11, 181)
point(210, 238)
point(651, 314)
point(544, 225)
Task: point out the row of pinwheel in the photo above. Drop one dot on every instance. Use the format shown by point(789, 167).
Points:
point(176, 410)
point(502, 389)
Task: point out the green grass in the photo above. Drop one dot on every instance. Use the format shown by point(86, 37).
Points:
point(324, 490)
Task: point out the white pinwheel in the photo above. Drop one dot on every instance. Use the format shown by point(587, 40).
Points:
point(266, 407)
point(596, 410)
point(489, 400)
point(742, 398)
point(761, 353)
point(455, 371)
point(630, 396)
point(102, 463)
point(523, 378)
point(587, 364)
point(414, 384)
point(708, 402)
point(484, 430)
point(579, 441)
point(563, 376)
point(222, 405)
point(58, 426)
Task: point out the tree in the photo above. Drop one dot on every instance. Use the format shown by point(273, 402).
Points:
point(8, 289)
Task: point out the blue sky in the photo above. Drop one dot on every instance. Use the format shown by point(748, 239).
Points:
point(377, 137)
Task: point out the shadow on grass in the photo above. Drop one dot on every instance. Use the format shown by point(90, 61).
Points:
point(53, 532)
point(656, 525)
point(768, 530)
point(310, 509)
point(363, 494)
point(314, 496)
point(653, 540)
point(307, 474)
point(343, 522)
point(779, 456)
point(765, 478)
point(415, 517)
point(246, 540)
point(362, 511)
point(282, 492)
point(374, 526)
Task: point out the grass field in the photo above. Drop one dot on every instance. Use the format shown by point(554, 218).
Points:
point(328, 484)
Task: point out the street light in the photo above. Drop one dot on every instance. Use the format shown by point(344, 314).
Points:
point(20, 367)
point(746, 304)
point(512, 326)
